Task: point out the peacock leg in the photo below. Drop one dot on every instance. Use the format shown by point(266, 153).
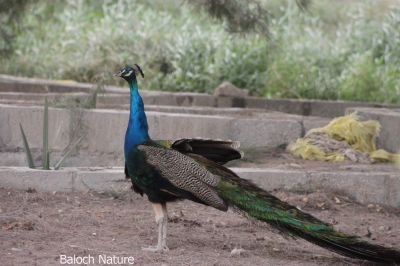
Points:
point(160, 210)
point(164, 227)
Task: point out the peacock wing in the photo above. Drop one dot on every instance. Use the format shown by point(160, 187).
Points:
point(184, 173)
point(219, 151)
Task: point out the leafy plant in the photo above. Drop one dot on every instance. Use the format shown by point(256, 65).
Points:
point(67, 153)
point(28, 152)
point(10, 14)
point(45, 148)
point(319, 53)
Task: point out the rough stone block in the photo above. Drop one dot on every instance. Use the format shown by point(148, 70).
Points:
point(363, 187)
point(161, 99)
point(41, 180)
point(224, 101)
point(228, 101)
point(265, 132)
point(104, 130)
point(102, 181)
point(175, 126)
point(290, 106)
point(211, 111)
point(204, 100)
point(228, 89)
point(310, 122)
point(31, 118)
point(272, 179)
point(18, 84)
point(113, 99)
point(255, 102)
point(393, 190)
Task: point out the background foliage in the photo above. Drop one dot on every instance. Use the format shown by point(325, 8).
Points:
point(330, 50)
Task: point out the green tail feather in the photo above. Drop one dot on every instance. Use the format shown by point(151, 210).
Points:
point(263, 206)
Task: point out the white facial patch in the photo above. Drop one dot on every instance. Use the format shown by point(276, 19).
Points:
point(128, 74)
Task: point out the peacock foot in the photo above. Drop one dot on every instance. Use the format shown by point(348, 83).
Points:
point(157, 248)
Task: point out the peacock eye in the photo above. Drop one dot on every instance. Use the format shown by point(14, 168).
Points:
point(128, 74)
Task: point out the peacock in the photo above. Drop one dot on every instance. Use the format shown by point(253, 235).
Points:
point(193, 169)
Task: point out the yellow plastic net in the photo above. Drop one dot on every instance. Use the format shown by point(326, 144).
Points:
point(344, 138)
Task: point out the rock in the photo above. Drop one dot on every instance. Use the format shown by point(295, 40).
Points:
point(220, 224)
point(237, 251)
point(228, 89)
point(337, 200)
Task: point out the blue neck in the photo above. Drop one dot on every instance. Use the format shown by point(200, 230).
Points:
point(137, 131)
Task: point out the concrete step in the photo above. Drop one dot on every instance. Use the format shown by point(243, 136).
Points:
point(364, 187)
point(321, 108)
point(30, 85)
point(105, 129)
point(115, 96)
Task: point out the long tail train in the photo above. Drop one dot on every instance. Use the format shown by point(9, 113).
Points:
point(261, 205)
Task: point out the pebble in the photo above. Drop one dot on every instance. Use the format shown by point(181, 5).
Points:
point(384, 228)
point(237, 251)
point(295, 165)
point(220, 224)
point(337, 200)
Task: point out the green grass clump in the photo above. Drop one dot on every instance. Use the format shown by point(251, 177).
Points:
point(335, 50)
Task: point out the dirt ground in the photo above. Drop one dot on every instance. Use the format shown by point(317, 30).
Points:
point(36, 228)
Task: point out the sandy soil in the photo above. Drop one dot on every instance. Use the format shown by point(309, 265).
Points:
point(35, 228)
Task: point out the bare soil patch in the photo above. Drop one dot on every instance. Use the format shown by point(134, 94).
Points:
point(35, 228)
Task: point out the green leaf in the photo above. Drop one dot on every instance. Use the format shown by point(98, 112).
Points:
point(28, 153)
point(67, 153)
point(45, 150)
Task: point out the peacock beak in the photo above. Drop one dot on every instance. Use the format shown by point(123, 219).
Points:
point(118, 74)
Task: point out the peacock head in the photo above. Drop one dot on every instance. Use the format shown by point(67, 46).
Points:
point(129, 73)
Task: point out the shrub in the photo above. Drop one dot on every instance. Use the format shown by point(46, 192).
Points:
point(332, 51)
